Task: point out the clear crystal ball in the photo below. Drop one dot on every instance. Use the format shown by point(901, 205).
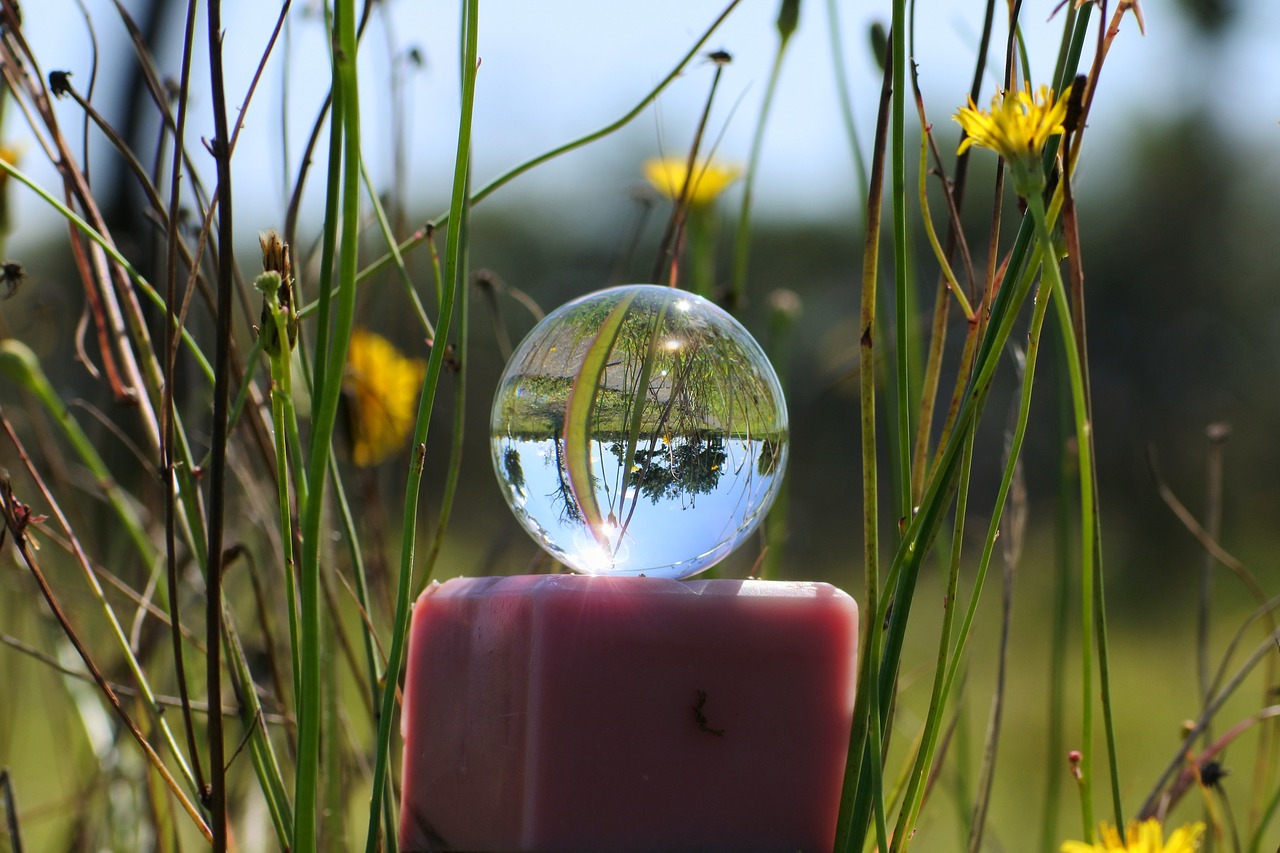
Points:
point(639, 430)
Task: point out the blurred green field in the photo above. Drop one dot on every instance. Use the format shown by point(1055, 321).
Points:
point(47, 746)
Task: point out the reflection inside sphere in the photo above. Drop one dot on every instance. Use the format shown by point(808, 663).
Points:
point(639, 430)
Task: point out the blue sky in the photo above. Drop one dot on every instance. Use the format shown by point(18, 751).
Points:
point(554, 70)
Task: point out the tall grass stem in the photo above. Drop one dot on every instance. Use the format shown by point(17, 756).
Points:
point(454, 289)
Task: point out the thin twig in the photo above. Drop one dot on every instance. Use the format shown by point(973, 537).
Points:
point(124, 689)
point(1152, 806)
point(221, 149)
point(1011, 537)
point(167, 411)
point(10, 812)
point(671, 238)
point(17, 528)
point(862, 778)
point(1218, 435)
point(1201, 535)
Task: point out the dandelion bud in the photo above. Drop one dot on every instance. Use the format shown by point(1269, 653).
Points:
point(275, 254)
point(278, 276)
point(788, 18)
point(879, 44)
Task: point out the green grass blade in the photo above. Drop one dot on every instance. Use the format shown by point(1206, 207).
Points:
point(578, 411)
point(455, 288)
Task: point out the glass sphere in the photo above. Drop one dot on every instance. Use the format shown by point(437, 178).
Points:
point(639, 430)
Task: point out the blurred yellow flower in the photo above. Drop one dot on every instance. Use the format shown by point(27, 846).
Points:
point(667, 175)
point(1018, 125)
point(382, 388)
point(1141, 837)
point(10, 153)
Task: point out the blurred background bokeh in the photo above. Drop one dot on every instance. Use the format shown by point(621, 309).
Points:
point(1180, 214)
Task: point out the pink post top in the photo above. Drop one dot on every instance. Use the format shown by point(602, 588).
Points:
point(571, 713)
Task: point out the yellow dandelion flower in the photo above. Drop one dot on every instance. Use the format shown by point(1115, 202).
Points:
point(668, 175)
point(1018, 125)
point(382, 389)
point(1141, 837)
point(1017, 128)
